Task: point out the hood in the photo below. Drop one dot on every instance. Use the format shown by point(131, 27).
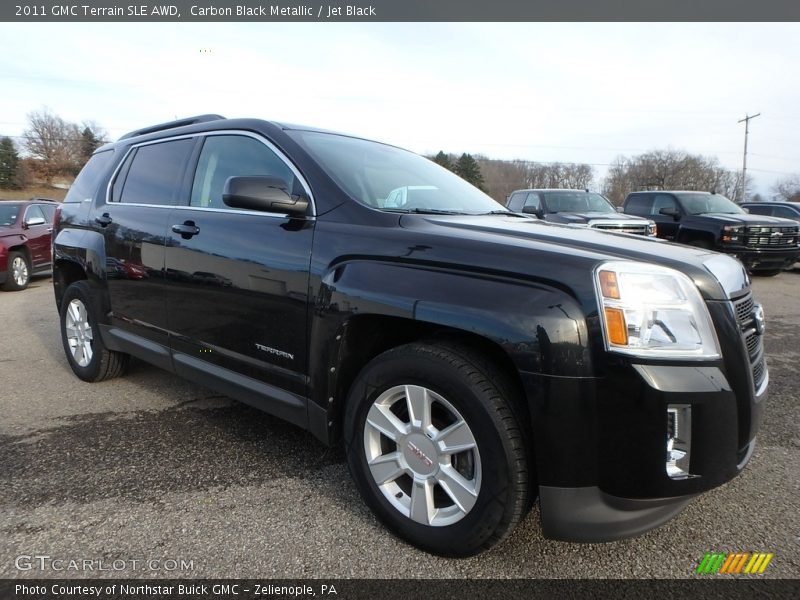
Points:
point(571, 218)
point(564, 256)
point(742, 219)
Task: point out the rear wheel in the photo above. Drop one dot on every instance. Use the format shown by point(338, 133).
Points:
point(436, 450)
point(87, 355)
point(19, 272)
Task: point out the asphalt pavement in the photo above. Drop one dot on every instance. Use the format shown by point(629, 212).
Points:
point(152, 476)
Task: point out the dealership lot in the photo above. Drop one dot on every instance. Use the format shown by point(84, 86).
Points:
point(153, 468)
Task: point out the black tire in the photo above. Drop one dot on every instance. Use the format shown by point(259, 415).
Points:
point(479, 393)
point(767, 272)
point(11, 284)
point(103, 363)
point(704, 244)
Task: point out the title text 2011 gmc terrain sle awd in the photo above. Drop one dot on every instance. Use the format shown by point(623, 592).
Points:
point(469, 359)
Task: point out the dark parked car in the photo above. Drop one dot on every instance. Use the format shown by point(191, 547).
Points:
point(765, 245)
point(784, 210)
point(581, 208)
point(26, 229)
point(468, 358)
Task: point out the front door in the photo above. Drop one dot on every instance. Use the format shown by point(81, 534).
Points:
point(238, 279)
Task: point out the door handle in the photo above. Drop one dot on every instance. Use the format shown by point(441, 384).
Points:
point(187, 230)
point(103, 220)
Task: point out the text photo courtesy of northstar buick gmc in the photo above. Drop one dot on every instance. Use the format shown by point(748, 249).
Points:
point(469, 359)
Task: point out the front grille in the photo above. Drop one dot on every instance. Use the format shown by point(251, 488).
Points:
point(622, 228)
point(744, 310)
point(770, 237)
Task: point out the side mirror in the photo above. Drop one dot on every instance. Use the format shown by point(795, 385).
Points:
point(33, 221)
point(620, 209)
point(267, 194)
point(670, 211)
point(532, 210)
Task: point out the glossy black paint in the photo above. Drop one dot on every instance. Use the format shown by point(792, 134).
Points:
point(323, 294)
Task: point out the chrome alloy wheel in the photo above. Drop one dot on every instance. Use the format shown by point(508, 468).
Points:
point(19, 271)
point(79, 333)
point(422, 455)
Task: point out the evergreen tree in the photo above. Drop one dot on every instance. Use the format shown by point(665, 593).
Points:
point(89, 143)
point(468, 168)
point(9, 159)
point(443, 160)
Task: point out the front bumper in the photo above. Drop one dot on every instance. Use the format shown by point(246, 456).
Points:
point(757, 260)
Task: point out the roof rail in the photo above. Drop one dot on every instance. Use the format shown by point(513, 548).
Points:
point(172, 125)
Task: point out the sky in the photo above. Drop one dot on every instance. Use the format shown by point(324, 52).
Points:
point(571, 92)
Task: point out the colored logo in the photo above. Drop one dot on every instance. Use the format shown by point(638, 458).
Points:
point(734, 563)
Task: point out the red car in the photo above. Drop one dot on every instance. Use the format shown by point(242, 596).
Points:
point(26, 230)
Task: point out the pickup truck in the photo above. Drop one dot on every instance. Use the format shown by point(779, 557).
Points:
point(766, 245)
point(469, 359)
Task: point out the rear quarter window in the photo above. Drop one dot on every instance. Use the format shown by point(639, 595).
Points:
point(85, 185)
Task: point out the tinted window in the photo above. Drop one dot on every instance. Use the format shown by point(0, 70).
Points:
point(86, 183)
point(638, 205)
point(225, 156)
point(8, 214)
point(785, 212)
point(759, 210)
point(533, 201)
point(515, 203)
point(34, 212)
point(155, 173)
point(663, 201)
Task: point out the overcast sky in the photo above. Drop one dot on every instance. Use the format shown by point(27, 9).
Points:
point(543, 92)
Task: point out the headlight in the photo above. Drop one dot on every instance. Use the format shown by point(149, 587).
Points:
point(653, 312)
point(652, 228)
point(732, 234)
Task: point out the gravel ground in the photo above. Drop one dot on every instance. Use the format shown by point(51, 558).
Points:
point(151, 467)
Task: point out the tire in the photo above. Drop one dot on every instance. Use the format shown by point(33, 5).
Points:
point(767, 272)
point(19, 272)
point(87, 355)
point(469, 408)
point(704, 244)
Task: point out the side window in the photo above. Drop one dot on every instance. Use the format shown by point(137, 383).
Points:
point(155, 173)
point(34, 212)
point(88, 179)
point(49, 211)
point(515, 202)
point(759, 210)
point(663, 201)
point(639, 205)
point(225, 156)
point(785, 212)
point(533, 201)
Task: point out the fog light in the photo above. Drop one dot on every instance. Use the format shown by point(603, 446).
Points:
point(679, 440)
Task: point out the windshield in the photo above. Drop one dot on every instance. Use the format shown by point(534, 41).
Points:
point(388, 178)
point(577, 202)
point(8, 214)
point(698, 204)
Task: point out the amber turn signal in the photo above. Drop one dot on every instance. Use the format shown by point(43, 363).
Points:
point(608, 284)
point(616, 328)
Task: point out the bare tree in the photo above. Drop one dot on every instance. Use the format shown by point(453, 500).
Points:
point(501, 177)
point(788, 188)
point(669, 169)
point(54, 142)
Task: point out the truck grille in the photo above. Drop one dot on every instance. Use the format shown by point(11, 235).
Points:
point(770, 237)
point(621, 228)
point(744, 309)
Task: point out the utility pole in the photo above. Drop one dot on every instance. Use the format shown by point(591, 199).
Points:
point(746, 122)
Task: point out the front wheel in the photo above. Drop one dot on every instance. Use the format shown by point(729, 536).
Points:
point(87, 355)
point(435, 448)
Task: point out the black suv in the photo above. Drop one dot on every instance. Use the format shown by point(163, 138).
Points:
point(468, 358)
point(784, 210)
point(580, 208)
point(765, 245)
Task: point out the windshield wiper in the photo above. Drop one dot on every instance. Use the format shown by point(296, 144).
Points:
point(424, 211)
point(505, 213)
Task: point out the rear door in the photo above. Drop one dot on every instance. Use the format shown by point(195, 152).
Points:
point(134, 222)
point(238, 281)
